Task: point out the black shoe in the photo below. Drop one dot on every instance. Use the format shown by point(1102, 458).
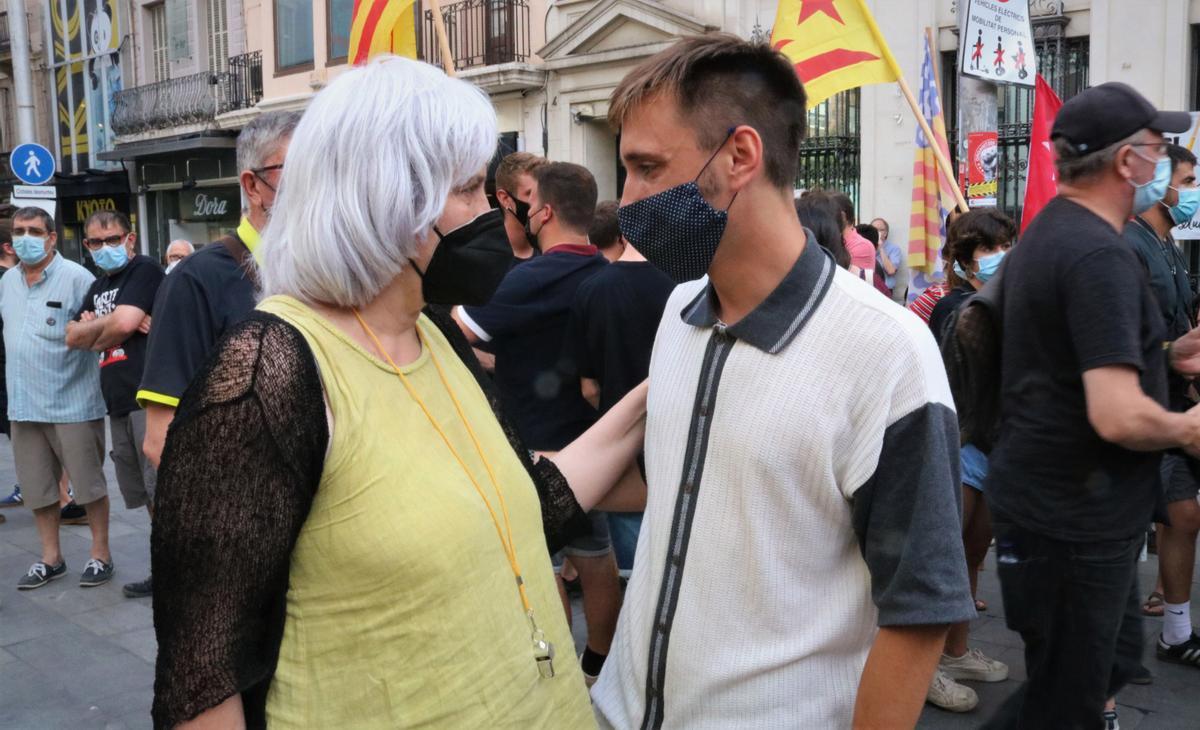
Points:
point(141, 589)
point(1187, 653)
point(1141, 675)
point(96, 572)
point(40, 574)
point(73, 514)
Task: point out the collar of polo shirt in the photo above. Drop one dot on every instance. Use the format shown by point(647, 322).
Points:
point(249, 235)
point(775, 321)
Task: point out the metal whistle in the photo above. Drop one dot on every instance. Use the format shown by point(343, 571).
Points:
point(543, 654)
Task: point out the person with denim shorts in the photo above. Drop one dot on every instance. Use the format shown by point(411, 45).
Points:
point(977, 243)
point(525, 323)
point(611, 334)
point(54, 400)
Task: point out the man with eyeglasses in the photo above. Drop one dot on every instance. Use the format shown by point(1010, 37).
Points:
point(1074, 474)
point(213, 289)
point(54, 400)
point(114, 321)
point(177, 251)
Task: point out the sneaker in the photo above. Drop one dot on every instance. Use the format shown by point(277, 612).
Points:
point(73, 514)
point(141, 589)
point(1187, 653)
point(1110, 720)
point(15, 499)
point(974, 665)
point(1141, 675)
point(950, 695)
point(40, 574)
point(96, 572)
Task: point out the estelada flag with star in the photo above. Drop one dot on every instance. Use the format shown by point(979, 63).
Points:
point(835, 45)
point(382, 26)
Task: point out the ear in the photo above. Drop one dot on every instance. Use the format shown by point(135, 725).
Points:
point(504, 199)
point(1124, 168)
point(250, 183)
point(746, 156)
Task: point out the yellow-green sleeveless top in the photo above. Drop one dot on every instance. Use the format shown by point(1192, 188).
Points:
point(402, 610)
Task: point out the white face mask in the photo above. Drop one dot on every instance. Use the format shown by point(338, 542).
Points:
point(170, 266)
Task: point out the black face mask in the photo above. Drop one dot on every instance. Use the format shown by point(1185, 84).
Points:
point(520, 211)
point(469, 262)
point(529, 234)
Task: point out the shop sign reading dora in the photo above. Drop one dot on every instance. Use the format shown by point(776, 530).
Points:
point(209, 204)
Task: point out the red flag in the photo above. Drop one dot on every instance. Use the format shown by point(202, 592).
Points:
point(1041, 184)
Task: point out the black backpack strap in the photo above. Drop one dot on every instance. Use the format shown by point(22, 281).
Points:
point(241, 255)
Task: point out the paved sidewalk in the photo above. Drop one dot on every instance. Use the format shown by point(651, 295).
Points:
point(74, 657)
point(1171, 702)
point(83, 658)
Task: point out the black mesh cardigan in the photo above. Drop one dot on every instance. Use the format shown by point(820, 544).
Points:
point(240, 469)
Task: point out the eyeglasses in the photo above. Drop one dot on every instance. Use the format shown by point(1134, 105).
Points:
point(93, 244)
point(1158, 148)
point(269, 168)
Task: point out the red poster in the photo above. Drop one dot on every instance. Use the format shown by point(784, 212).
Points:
point(983, 157)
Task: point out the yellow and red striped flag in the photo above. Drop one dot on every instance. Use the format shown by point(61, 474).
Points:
point(930, 186)
point(382, 26)
point(835, 45)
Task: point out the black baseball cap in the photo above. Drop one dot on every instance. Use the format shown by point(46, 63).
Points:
point(1110, 112)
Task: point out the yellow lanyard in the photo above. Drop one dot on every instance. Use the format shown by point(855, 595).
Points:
point(543, 650)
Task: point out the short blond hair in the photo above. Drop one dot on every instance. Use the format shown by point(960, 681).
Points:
point(515, 165)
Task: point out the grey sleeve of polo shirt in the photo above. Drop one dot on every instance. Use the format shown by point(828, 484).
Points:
point(908, 518)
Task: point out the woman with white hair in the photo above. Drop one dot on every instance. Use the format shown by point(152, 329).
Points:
point(345, 535)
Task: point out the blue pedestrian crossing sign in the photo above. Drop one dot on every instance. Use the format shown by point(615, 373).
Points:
point(32, 163)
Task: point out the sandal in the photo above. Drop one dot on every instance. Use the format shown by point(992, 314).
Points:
point(1153, 605)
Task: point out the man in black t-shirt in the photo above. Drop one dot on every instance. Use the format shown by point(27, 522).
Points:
point(114, 320)
point(213, 289)
point(1074, 473)
point(610, 336)
point(526, 324)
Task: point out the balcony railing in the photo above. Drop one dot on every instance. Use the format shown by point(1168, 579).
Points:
point(244, 81)
point(193, 99)
point(480, 32)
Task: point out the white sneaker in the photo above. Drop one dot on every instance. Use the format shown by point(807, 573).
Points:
point(950, 695)
point(974, 665)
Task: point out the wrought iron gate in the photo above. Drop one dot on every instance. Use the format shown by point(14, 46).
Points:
point(829, 152)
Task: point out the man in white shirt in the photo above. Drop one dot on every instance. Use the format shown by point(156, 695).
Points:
point(801, 555)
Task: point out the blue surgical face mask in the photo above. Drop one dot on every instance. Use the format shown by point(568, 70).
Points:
point(111, 258)
point(676, 230)
point(30, 249)
point(1150, 192)
point(1185, 209)
point(989, 265)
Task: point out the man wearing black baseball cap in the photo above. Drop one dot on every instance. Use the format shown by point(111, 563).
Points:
point(1074, 474)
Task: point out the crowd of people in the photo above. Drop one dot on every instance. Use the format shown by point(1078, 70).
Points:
point(379, 437)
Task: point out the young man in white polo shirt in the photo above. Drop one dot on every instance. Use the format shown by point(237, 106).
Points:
point(801, 555)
